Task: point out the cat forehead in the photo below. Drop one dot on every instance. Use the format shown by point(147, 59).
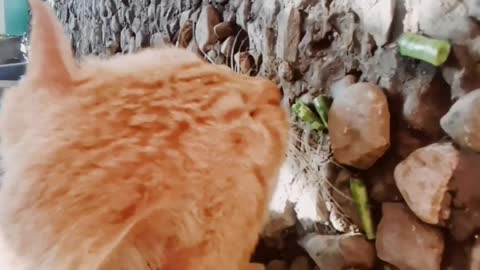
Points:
point(147, 60)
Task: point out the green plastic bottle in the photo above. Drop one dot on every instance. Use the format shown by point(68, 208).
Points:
point(15, 17)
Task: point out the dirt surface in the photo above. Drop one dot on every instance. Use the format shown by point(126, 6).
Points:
point(417, 156)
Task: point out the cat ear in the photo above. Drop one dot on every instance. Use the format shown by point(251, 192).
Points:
point(51, 62)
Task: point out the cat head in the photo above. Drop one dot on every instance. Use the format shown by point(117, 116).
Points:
point(63, 102)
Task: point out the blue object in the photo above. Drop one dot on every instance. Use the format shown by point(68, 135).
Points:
point(17, 17)
point(12, 72)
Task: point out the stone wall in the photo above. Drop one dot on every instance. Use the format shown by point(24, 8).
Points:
point(302, 44)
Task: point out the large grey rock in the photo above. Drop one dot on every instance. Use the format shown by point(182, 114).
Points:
point(376, 17)
point(204, 33)
point(473, 7)
point(243, 13)
point(454, 24)
point(462, 122)
point(269, 12)
point(288, 34)
point(255, 38)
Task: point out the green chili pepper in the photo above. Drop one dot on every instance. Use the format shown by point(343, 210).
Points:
point(426, 49)
point(360, 197)
point(322, 106)
point(307, 116)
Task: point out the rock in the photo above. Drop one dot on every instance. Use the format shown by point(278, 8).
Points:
point(115, 25)
point(243, 13)
point(473, 7)
point(255, 39)
point(317, 22)
point(305, 45)
point(301, 4)
point(227, 46)
point(300, 263)
point(288, 34)
point(195, 15)
point(466, 55)
point(158, 40)
point(212, 56)
point(321, 73)
point(136, 25)
point(277, 265)
point(244, 63)
point(285, 71)
point(255, 10)
point(376, 17)
point(209, 17)
point(186, 34)
point(224, 29)
point(407, 243)
point(229, 16)
point(142, 40)
point(422, 16)
point(358, 252)
point(462, 122)
point(73, 24)
point(132, 44)
point(423, 180)
point(110, 7)
point(359, 125)
point(268, 46)
point(338, 252)
point(129, 16)
point(185, 16)
point(463, 81)
point(454, 77)
point(218, 59)
point(269, 12)
point(151, 11)
point(192, 46)
point(112, 47)
point(125, 35)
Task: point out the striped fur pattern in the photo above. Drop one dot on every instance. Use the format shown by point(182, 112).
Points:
point(156, 160)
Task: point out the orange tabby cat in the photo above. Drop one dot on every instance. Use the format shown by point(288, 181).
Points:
point(148, 161)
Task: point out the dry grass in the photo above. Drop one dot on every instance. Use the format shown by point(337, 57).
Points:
point(309, 153)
